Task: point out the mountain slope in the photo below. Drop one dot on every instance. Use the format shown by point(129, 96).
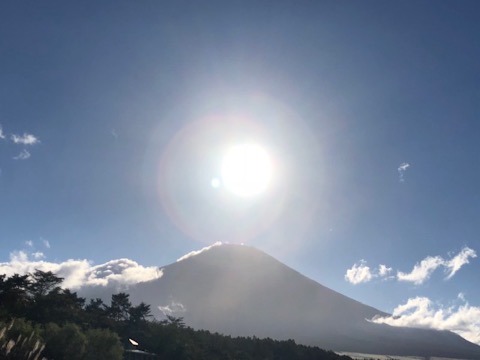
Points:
point(239, 290)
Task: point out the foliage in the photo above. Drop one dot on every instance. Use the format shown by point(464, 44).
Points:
point(66, 342)
point(19, 341)
point(103, 344)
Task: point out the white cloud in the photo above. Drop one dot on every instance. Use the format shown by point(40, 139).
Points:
point(172, 308)
point(421, 271)
point(383, 270)
point(361, 273)
point(458, 261)
point(123, 272)
point(421, 312)
point(403, 166)
point(401, 170)
point(194, 253)
point(79, 273)
point(24, 155)
point(25, 139)
point(358, 273)
point(29, 243)
point(2, 135)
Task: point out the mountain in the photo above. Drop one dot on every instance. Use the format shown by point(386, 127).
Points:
point(241, 291)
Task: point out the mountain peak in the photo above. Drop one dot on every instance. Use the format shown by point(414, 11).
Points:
point(225, 247)
point(220, 252)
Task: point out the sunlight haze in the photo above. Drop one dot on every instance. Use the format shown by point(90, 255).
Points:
point(340, 137)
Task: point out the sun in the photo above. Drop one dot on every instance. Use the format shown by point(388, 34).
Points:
point(246, 170)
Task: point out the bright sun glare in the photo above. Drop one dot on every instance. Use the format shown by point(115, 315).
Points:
point(246, 170)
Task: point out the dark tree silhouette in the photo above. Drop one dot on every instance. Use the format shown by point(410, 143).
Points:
point(14, 295)
point(44, 282)
point(139, 313)
point(96, 313)
point(119, 309)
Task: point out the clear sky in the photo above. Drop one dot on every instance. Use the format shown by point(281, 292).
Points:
point(116, 117)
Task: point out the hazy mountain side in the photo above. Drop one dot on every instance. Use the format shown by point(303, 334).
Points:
point(241, 291)
point(235, 274)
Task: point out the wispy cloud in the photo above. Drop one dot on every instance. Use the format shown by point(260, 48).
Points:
point(29, 243)
point(194, 253)
point(25, 139)
point(38, 255)
point(402, 169)
point(80, 273)
point(458, 261)
point(421, 312)
point(421, 272)
point(359, 273)
point(24, 155)
point(46, 243)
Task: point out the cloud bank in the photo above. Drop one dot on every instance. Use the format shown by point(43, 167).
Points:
point(421, 312)
point(80, 273)
point(421, 272)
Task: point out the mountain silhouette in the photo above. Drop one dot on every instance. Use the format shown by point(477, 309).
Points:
point(241, 291)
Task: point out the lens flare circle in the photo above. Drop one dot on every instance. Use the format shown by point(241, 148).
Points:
point(200, 177)
point(193, 191)
point(246, 170)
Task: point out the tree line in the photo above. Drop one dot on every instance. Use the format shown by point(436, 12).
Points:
point(41, 320)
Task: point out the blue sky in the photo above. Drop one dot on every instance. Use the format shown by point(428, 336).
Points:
point(114, 116)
